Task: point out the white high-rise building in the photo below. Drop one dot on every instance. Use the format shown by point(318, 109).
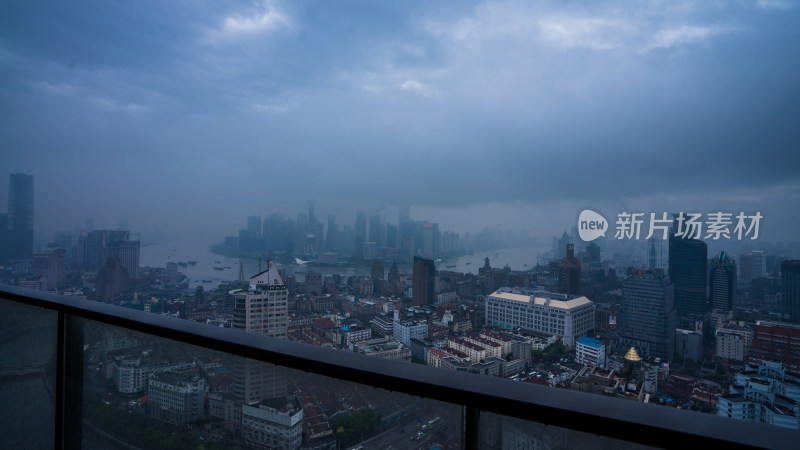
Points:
point(262, 309)
point(733, 341)
point(406, 331)
point(566, 317)
point(590, 351)
point(177, 398)
point(275, 423)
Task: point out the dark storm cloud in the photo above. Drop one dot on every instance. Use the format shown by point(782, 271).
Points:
point(170, 110)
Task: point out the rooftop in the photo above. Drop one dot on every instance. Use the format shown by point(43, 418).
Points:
point(468, 344)
point(269, 277)
point(531, 298)
point(591, 342)
point(496, 335)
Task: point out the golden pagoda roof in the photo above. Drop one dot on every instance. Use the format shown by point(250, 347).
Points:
point(632, 355)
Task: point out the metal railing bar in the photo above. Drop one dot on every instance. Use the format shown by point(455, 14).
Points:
point(609, 417)
point(472, 428)
point(73, 382)
point(58, 435)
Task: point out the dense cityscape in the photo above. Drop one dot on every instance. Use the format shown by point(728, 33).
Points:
point(714, 333)
point(487, 224)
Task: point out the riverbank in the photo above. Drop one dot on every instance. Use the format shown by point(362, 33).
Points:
point(205, 257)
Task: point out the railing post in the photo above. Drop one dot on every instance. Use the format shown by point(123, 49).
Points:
point(58, 422)
point(69, 383)
point(472, 428)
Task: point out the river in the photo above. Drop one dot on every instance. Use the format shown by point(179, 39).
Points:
point(199, 250)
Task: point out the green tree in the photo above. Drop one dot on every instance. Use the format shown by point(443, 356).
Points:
point(359, 424)
point(554, 351)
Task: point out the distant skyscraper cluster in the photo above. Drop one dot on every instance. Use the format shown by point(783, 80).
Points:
point(370, 237)
point(113, 255)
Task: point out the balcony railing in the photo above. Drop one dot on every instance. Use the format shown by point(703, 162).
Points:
point(483, 402)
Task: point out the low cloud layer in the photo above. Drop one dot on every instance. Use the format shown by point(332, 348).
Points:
point(190, 115)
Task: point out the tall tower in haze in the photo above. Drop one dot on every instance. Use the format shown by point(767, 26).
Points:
point(688, 270)
point(427, 240)
point(654, 253)
point(561, 246)
point(361, 235)
point(254, 225)
point(312, 216)
point(403, 218)
point(722, 283)
point(647, 318)
point(20, 217)
point(331, 238)
point(569, 273)
point(404, 215)
point(424, 280)
point(376, 229)
point(361, 225)
point(790, 285)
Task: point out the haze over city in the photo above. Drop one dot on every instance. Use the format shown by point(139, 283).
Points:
point(185, 118)
point(365, 225)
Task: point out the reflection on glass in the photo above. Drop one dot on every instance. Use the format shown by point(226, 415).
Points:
point(502, 432)
point(27, 376)
point(150, 392)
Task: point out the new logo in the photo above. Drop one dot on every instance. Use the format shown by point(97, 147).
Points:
point(591, 225)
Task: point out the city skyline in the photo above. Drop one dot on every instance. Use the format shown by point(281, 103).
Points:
point(484, 239)
point(524, 325)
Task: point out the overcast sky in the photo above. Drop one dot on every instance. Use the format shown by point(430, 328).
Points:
point(190, 115)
